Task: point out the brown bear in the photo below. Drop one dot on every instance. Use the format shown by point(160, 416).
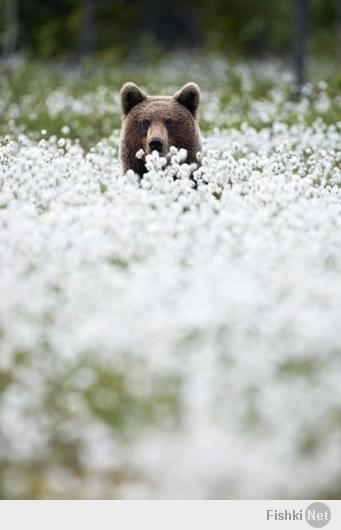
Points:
point(157, 123)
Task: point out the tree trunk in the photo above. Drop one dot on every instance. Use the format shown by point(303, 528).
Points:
point(87, 41)
point(10, 37)
point(338, 29)
point(301, 15)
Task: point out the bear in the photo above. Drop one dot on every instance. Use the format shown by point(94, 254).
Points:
point(157, 123)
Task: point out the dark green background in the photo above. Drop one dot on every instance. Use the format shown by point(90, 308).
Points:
point(143, 28)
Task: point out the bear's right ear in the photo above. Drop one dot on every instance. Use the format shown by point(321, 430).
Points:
point(189, 97)
point(131, 95)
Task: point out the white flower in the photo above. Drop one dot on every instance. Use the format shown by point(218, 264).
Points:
point(140, 154)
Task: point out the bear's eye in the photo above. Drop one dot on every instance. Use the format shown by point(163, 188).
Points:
point(170, 124)
point(145, 124)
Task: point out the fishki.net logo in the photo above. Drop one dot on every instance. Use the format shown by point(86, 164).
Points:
point(316, 515)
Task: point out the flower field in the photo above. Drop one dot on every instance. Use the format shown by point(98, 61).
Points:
point(178, 337)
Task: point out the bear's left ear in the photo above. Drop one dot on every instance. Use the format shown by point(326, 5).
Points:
point(131, 95)
point(189, 97)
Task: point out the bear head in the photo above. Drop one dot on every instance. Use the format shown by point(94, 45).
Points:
point(155, 123)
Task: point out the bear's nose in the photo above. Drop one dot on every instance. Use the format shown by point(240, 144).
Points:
point(156, 144)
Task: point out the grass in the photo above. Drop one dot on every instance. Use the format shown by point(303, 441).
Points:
point(46, 96)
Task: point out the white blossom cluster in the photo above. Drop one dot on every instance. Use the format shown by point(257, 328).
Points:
point(178, 336)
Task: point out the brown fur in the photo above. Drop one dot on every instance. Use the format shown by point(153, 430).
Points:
point(170, 119)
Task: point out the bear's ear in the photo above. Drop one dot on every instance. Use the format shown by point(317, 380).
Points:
point(189, 97)
point(131, 95)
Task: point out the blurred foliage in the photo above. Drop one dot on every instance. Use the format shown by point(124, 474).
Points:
point(39, 95)
point(135, 28)
point(118, 398)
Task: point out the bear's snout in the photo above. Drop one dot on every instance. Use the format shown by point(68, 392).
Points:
point(156, 144)
point(157, 137)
